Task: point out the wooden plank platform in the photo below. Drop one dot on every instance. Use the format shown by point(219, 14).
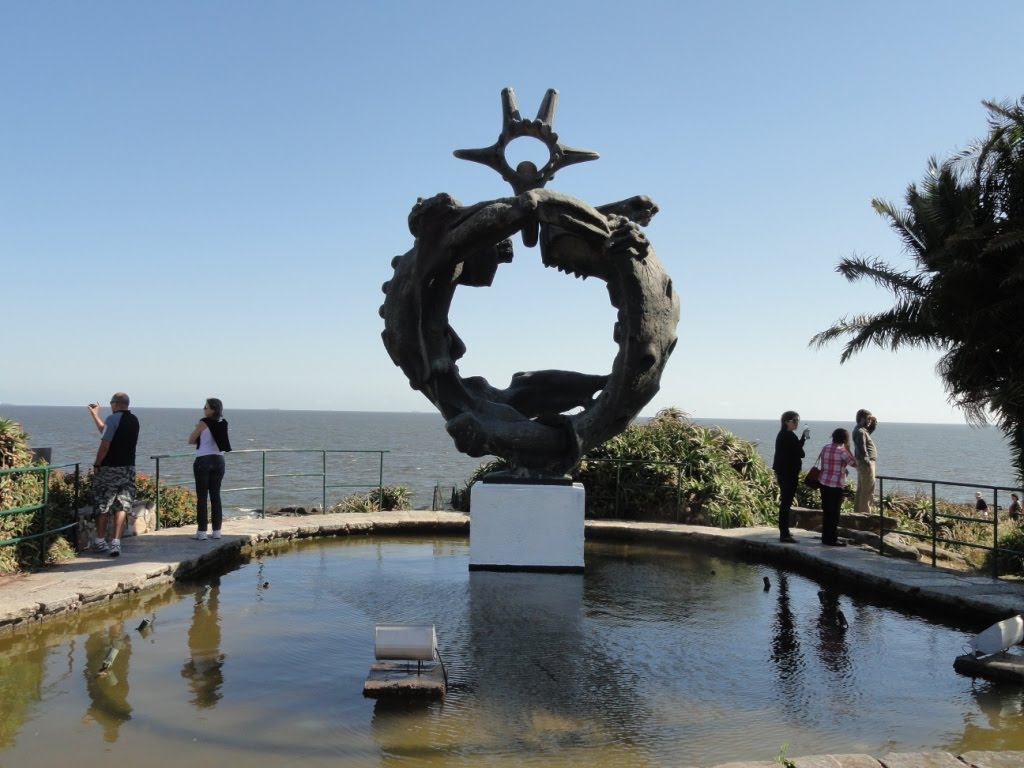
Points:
point(402, 680)
point(1004, 666)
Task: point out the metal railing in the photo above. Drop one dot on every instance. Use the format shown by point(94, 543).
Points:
point(617, 504)
point(42, 505)
point(935, 517)
point(620, 501)
point(264, 475)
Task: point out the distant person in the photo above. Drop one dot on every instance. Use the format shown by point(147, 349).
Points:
point(833, 460)
point(980, 504)
point(789, 450)
point(113, 472)
point(1014, 509)
point(865, 452)
point(210, 438)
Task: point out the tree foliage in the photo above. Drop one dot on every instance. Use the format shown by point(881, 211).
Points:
point(963, 227)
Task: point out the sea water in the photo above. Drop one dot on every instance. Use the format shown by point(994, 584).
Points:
point(420, 454)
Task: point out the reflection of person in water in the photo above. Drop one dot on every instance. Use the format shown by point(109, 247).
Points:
point(786, 648)
point(832, 624)
point(785, 644)
point(108, 685)
point(203, 669)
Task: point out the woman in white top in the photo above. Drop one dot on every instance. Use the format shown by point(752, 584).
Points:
point(211, 440)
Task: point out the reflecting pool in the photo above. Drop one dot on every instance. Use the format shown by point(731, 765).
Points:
point(653, 657)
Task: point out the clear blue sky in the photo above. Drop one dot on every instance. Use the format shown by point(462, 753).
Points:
point(203, 198)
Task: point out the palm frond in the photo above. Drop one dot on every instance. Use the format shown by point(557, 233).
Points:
point(855, 268)
point(900, 222)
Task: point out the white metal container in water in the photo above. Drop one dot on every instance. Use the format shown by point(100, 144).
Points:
point(409, 642)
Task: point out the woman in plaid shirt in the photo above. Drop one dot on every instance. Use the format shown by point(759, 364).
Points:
point(833, 461)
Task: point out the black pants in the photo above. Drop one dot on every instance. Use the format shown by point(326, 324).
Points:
point(209, 474)
point(831, 501)
point(787, 491)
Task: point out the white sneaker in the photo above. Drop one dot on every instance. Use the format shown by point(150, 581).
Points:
point(100, 545)
point(200, 536)
point(115, 548)
point(215, 535)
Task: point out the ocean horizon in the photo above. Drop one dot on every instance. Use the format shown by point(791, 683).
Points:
point(418, 452)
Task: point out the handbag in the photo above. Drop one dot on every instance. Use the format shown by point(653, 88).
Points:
point(811, 478)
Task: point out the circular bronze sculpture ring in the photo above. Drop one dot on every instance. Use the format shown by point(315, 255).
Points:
point(544, 421)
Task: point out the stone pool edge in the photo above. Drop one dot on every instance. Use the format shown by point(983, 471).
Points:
point(163, 557)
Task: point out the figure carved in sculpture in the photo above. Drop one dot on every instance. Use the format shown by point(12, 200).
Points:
point(529, 422)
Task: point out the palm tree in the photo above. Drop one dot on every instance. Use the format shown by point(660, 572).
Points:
point(963, 226)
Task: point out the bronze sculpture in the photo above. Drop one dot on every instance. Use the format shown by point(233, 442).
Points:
point(528, 423)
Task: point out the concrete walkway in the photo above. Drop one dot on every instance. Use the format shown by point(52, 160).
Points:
point(159, 558)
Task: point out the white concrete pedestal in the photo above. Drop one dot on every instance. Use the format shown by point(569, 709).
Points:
point(526, 527)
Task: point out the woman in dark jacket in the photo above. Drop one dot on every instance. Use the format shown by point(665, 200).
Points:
point(789, 450)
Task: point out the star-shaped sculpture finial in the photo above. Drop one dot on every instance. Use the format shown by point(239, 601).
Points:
point(526, 175)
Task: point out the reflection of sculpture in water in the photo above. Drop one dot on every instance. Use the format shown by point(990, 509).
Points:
point(108, 687)
point(530, 423)
point(998, 729)
point(204, 668)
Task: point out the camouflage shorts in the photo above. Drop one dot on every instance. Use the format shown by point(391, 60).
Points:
point(113, 489)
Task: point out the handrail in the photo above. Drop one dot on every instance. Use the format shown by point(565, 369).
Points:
point(264, 476)
point(620, 488)
point(42, 505)
point(933, 519)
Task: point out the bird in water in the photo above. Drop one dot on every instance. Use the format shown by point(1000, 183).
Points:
point(767, 584)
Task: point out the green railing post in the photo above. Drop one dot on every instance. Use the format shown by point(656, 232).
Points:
point(323, 482)
point(935, 527)
point(380, 483)
point(881, 516)
point(679, 490)
point(263, 485)
point(156, 512)
point(76, 496)
point(618, 484)
point(995, 533)
point(46, 501)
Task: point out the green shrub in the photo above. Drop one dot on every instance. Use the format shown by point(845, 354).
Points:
point(177, 503)
point(386, 499)
point(1009, 563)
point(673, 470)
point(23, 489)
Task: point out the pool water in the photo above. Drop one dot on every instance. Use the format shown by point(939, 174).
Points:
point(653, 657)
